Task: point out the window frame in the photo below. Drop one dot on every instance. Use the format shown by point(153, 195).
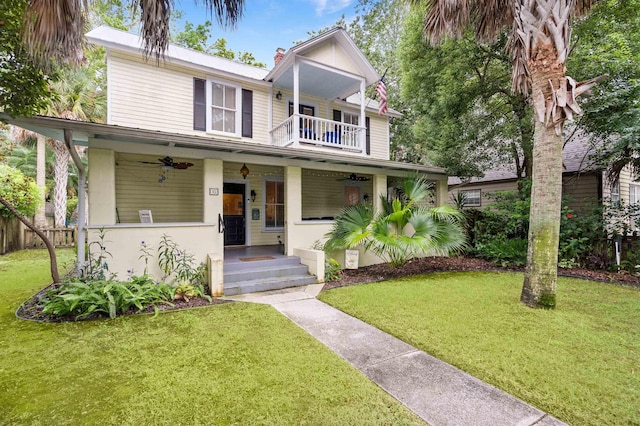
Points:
point(266, 228)
point(614, 193)
point(355, 115)
point(467, 203)
point(238, 106)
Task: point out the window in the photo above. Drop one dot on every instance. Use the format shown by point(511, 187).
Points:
point(615, 194)
point(222, 107)
point(274, 205)
point(223, 101)
point(471, 198)
point(351, 195)
point(350, 118)
point(634, 194)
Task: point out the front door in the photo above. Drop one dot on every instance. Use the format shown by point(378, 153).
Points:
point(233, 207)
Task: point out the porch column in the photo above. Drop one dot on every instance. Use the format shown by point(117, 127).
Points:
point(379, 188)
point(363, 123)
point(292, 204)
point(296, 102)
point(102, 187)
point(212, 211)
point(442, 192)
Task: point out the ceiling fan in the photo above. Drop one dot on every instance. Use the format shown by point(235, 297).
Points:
point(169, 163)
point(355, 178)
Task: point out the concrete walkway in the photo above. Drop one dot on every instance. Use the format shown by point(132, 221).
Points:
point(436, 391)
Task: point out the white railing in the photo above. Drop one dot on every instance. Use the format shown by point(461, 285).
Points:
point(318, 131)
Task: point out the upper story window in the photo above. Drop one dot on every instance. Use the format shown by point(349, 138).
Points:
point(350, 118)
point(223, 100)
point(634, 194)
point(222, 107)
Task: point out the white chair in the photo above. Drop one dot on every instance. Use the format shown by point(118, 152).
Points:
point(145, 216)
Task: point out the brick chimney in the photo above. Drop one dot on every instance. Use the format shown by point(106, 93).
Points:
point(279, 55)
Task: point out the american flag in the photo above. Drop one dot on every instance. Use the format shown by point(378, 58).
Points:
point(381, 88)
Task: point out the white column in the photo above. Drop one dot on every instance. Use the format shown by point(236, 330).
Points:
point(362, 121)
point(296, 102)
point(212, 207)
point(292, 205)
point(379, 188)
point(102, 187)
point(442, 192)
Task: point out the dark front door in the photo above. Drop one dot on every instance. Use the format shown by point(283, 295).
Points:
point(233, 206)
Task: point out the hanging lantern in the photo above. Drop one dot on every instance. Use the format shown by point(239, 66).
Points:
point(244, 171)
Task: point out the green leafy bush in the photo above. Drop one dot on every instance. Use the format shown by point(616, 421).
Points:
point(106, 297)
point(510, 252)
point(332, 269)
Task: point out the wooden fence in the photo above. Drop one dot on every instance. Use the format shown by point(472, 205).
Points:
point(59, 237)
point(10, 234)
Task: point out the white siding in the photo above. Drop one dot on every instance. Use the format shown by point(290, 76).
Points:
point(178, 198)
point(161, 97)
point(333, 55)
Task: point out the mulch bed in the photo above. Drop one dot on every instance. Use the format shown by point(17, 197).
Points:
point(427, 265)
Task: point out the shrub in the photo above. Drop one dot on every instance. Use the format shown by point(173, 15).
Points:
point(332, 269)
point(106, 297)
point(510, 252)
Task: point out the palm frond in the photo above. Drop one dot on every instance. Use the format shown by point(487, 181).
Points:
point(54, 31)
point(445, 18)
point(351, 227)
point(492, 17)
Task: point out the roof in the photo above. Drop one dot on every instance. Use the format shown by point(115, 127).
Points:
point(128, 42)
point(576, 157)
point(83, 131)
point(113, 38)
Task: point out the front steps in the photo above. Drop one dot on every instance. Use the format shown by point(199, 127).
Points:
point(265, 275)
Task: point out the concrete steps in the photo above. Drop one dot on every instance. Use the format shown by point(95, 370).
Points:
point(265, 275)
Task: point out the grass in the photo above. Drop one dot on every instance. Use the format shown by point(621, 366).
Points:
point(580, 362)
point(225, 364)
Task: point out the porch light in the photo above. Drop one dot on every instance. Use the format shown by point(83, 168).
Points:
point(244, 171)
point(279, 95)
point(253, 196)
point(366, 197)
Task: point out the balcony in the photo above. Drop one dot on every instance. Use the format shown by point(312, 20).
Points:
point(302, 129)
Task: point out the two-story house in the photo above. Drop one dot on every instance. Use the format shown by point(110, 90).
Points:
point(218, 154)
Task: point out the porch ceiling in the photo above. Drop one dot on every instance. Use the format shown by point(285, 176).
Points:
point(319, 82)
point(83, 132)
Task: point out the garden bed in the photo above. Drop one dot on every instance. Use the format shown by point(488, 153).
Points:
point(31, 309)
point(382, 272)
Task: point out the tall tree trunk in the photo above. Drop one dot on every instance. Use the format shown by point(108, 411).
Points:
point(40, 218)
point(540, 280)
point(61, 178)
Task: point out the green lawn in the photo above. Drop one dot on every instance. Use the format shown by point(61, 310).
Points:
point(225, 364)
point(580, 362)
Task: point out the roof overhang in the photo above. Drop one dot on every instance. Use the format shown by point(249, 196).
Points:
point(84, 132)
point(340, 85)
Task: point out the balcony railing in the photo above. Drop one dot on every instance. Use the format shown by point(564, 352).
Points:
point(318, 131)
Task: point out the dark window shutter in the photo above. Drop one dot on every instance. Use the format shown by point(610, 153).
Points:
point(337, 115)
point(247, 113)
point(368, 134)
point(199, 104)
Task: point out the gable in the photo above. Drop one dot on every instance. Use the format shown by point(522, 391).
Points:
point(332, 54)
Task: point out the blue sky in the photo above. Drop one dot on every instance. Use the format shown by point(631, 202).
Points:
point(267, 24)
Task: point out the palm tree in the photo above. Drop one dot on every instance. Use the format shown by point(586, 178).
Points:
point(54, 30)
point(76, 98)
point(402, 230)
point(540, 32)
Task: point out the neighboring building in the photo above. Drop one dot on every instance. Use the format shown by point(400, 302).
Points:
point(583, 184)
point(218, 154)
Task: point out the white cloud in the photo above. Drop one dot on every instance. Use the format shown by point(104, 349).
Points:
point(324, 7)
